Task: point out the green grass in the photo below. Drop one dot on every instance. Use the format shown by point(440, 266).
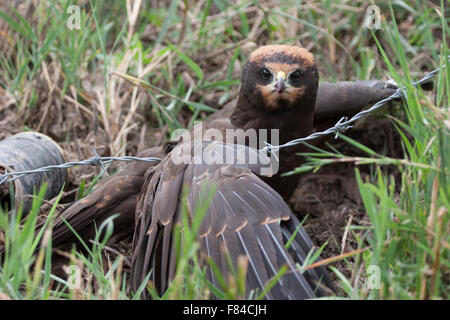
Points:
point(408, 237)
point(196, 53)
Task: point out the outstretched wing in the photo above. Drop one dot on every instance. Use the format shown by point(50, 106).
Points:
point(245, 217)
point(115, 195)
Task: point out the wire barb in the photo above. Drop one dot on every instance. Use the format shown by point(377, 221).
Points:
point(341, 126)
point(94, 161)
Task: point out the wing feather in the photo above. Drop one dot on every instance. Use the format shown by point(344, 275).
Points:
point(243, 219)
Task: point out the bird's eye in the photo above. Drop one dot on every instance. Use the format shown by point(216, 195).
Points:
point(266, 74)
point(295, 75)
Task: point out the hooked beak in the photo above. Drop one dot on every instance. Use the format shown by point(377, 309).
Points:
point(279, 83)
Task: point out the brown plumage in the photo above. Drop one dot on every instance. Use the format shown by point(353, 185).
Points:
point(279, 88)
point(115, 195)
point(247, 215)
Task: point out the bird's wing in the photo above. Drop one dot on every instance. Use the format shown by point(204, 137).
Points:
point(346, 98)
point(116, 195)
point(245, 217)
point(335, 100)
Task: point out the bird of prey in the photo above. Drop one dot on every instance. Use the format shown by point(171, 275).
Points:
point(118, 193)
point(247, 215)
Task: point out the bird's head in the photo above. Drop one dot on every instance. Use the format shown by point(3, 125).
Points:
point(278, 78)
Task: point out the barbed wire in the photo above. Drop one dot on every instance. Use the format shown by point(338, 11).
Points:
point(94, 161)
point(342, 125)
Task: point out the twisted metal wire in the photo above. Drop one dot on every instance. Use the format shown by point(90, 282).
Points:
point(342, 125)
point(94, 161)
